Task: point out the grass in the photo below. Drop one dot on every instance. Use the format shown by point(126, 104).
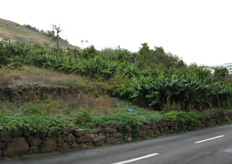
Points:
point(89, 106)
point(88, 97)
point(12, 30)
point(67, 111)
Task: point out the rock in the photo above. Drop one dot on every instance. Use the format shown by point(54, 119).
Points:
point(74, 146)
point(80, 132)
point(83, 146)
point(111, 140)
point(60, 139)
point(5, 138)
point(1, 145)
point(84, 139)
point(99, 140)
point(142, 133)
point(129, 139)
point(90, 136)
point(63, 146)
point(50, 145)
point(144, 127)
point(89, 143)
point(147, 123)
point(157, 132)
point(107, 135)
point(16, 146)
point(109, 130)
point(70, 139)
point(149, 132)
point(36, 142)
point(163, 122)
point(153, 126)
point(117, 135)
point(34, 149)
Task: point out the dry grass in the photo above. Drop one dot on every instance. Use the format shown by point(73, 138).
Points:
point(11, 30)
point(68, 104)
point(32, 75)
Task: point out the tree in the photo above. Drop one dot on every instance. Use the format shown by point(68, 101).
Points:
point(144, 56)
point(221, 73)
point(55, 36)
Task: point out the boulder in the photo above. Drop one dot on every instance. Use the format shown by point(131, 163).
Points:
point(99, 140)
point(63, 146)
point(70, 139)
point(74, 146)
point(117, 135)
point(50, 145)
point(111, 140)
point(109, 130)
point(84, 139)
point(34, 149)
point(80, 132)
point(147, 123)
point(16, 147)
point(36, 142)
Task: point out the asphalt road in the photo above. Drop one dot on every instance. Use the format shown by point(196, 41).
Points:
point(206, 146)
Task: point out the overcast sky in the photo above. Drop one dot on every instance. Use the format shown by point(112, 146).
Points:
point(198, 31)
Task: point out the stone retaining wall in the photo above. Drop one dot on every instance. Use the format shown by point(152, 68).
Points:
point(34, 92)
point(26, 142)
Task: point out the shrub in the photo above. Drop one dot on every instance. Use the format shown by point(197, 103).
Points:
point(89, 52)
point(83, 117)
point(184, 120)
point(29, 110)
point(4, 55)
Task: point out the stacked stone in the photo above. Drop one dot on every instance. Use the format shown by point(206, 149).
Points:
point(25, 142)
point(148, 128)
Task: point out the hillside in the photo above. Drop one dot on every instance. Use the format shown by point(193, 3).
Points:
point(11, 30)
point(53, 101)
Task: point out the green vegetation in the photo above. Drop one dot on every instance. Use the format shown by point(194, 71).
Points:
point(151, 80)
point(3, 55)
point(152, 86)
point(192, 120)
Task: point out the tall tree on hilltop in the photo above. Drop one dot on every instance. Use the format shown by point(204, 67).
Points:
point(55, 36)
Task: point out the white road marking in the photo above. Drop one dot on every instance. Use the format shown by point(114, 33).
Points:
point(210, 139)
point(136, 159)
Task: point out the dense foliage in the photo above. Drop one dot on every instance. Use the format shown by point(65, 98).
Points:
point(150, 78)
point(3, 55)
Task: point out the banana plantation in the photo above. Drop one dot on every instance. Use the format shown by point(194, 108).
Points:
point(150, 78)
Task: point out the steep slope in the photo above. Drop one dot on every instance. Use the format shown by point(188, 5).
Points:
point(11, 30)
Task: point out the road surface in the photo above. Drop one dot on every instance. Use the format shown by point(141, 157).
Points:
point(206, 146)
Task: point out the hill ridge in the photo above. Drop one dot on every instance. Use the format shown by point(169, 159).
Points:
point(10, 30)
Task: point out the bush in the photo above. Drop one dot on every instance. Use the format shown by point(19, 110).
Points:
point(29, 110)
point(83, 117)
point(4, 55)
point(89, 52)
point(184, 120)
point(33, 123)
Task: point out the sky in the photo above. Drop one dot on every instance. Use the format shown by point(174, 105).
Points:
point(197, 31)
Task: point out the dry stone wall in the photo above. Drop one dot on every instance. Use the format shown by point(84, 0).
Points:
point(26, 142)
point(33, 92)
